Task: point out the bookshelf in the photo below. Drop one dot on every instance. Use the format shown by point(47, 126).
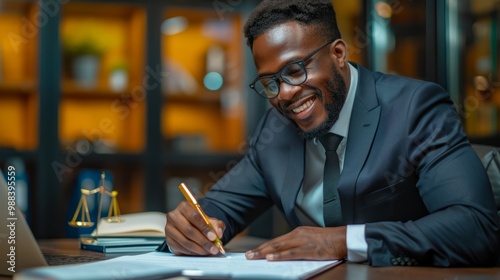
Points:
point(54, 122)
point(18, 89)
point(205, 33)
point(199, 151)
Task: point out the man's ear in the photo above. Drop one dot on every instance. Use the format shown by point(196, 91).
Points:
point(338, 53)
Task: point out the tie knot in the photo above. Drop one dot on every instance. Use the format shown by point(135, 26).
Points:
point(330, 141)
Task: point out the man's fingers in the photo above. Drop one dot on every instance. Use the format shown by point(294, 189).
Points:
point(291, 254)
point(195, 244)
point(271, 246)
point(185, 230)
point(197, 220)
point(277, 250)
point(182, 245)
point(306, 243)
point(218, 226)
point(189, 229)
point(295, 249)
point(177, 248)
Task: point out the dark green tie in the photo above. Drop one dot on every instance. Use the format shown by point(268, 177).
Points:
point(332, 212)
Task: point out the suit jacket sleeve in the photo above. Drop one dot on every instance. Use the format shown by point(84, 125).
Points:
point(240, 196)
point(462, 227)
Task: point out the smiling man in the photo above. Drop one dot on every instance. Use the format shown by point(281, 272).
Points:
point(364, 166)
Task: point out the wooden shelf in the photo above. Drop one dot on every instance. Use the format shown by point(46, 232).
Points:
point(26, 154)
point(179, 159)
point(114, 158)
point(101, 9)
point(71, 89)
point(21, 6)
point(206, 98)
point(15, 88)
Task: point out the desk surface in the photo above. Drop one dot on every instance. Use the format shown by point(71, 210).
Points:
point(348, 271)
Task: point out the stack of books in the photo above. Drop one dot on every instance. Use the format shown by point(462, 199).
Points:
point(136, 233)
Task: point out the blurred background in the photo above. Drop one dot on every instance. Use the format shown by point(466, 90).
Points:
point(155, 92)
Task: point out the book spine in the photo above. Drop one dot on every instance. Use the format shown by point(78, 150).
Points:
point(94, 248)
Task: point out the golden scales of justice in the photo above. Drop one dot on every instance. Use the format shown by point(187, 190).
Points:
point(82, 209)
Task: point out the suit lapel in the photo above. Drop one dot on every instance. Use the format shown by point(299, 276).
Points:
point(293, 179)
point(363, 125)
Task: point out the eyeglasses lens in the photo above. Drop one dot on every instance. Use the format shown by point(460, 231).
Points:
point(267, 87)
point(293, 74)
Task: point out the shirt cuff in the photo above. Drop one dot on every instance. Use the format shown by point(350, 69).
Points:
point(357, 248)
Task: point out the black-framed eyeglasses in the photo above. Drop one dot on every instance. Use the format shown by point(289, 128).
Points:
point(293, 73)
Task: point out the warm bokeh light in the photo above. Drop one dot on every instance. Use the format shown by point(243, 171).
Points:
point(383, 9)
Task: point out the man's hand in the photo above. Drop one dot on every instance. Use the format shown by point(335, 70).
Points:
point(304, 243)
point(188, 234)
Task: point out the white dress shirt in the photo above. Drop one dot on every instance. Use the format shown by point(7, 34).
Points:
point(308, 208)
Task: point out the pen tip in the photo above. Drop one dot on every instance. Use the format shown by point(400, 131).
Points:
point(221, 249)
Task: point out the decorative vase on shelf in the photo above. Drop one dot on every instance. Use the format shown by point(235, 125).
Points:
point(84, 54)
point(86, 70)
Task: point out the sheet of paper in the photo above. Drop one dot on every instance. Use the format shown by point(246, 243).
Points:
point(236, 266)
point(159, 265)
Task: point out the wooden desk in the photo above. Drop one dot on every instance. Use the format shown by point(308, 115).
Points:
point(349, 271)
point(352, 271)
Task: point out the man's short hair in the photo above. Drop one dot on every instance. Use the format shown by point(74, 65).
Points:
point(319, 14)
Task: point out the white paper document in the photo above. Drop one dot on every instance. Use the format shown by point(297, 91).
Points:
point(160, 265)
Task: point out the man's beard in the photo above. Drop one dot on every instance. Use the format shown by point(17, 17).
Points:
point(337, 90)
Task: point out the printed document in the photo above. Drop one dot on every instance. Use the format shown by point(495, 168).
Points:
point(159, 265)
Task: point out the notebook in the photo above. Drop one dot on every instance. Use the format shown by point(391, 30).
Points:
point(18, 247)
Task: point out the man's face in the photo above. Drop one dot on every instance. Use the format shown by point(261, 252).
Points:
point(314, 105)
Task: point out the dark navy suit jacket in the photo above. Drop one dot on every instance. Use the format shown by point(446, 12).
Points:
point(409, 174)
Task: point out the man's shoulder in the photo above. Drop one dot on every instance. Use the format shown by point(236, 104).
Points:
point(393, 84)
point(398, 81)
point(381, 78)
point(391, 87)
